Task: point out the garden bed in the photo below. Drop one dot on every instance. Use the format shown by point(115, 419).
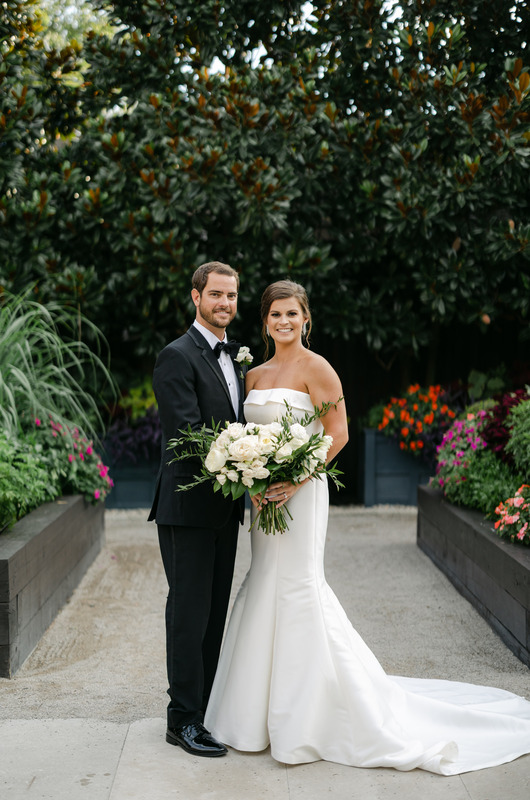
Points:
point(388, 474)
point(492, 573)
point(42, 560)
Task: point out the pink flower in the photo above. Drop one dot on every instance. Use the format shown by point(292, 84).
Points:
point(103, 471)
point(37, 421)
point(97, 494)
point(518, 501)
point(71, 458)
point(89, 451)
point(81, 456)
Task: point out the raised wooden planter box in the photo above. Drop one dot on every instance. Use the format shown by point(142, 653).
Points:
point(42, 560)
point(389, 475)
point(134, 486)
point(492, 573)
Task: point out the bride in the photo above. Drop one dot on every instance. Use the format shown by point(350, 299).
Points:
point(293, 672)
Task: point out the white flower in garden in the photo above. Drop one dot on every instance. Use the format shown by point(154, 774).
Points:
point(215, 459)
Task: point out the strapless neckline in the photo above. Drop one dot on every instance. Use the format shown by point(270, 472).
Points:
point(280, 389)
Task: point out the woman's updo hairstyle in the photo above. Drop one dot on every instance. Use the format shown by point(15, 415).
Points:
point(283, 290)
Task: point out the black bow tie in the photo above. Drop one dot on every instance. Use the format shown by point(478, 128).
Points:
point(232, 348)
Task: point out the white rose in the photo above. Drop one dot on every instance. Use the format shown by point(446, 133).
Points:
point(244, 449)
point(322, 451)
point(266, 442)
point(215, 459)
point(235, 430)
point(296, 443)
point(233, 475)
point(299, 432)
point(244, 355)
point(247, 481)
point(283, 452)
point(221, 479)
point(274, 428)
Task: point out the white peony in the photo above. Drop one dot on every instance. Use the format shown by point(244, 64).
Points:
point(221, 478)
point(233, 475)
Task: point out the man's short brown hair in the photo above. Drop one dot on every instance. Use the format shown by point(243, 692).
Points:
point(200, 276)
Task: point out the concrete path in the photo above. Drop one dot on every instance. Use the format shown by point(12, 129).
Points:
point(84, 718)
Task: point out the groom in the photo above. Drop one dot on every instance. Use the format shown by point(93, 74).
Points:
point(196, 381)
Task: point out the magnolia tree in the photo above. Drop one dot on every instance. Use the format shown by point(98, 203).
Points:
point(376, 152)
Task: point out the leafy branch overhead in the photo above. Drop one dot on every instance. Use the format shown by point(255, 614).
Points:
point(377, 153)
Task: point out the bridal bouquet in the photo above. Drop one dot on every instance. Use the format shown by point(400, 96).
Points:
point(250, 457)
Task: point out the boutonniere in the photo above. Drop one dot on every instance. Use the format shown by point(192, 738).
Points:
point(245, 358)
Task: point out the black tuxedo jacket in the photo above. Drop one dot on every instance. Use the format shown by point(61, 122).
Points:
point(190, 388)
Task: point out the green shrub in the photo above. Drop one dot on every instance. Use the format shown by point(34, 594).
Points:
point(519, 442)
point(46, 370)
point(71, 460)
point(468, 472)
point(24, 481)
point(45, 464)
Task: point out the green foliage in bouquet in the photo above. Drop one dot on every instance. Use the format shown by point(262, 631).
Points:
point(250, 457)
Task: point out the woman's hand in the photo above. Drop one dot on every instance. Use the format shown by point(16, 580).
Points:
point(278, 493)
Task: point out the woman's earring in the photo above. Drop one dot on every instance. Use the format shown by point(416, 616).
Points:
point(267, 330)
point(304, 328)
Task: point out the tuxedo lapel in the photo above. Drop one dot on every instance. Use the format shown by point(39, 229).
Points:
point(210, 360)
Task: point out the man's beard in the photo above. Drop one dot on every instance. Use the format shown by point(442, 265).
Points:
point(210, 317)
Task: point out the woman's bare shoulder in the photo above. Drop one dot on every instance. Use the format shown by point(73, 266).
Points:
point(253, 375)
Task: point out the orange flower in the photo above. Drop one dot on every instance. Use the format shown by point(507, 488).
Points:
point(404, 432)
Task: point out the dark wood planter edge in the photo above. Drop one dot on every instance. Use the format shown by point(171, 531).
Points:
point(490, 572)
point(42, 560)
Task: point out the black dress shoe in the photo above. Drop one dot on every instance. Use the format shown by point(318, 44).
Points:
point(195, 739)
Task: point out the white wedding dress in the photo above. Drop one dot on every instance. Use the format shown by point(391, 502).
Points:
point(294, 673)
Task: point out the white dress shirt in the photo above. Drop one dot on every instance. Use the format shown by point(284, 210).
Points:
point(225, 362)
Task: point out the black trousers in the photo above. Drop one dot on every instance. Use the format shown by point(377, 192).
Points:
point(199, 566)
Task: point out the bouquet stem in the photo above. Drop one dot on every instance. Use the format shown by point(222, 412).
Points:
point(271, 519)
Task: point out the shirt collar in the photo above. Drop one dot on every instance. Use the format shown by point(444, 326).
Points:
point(210, 337)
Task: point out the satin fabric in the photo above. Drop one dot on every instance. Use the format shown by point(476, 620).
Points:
point(296, 675)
